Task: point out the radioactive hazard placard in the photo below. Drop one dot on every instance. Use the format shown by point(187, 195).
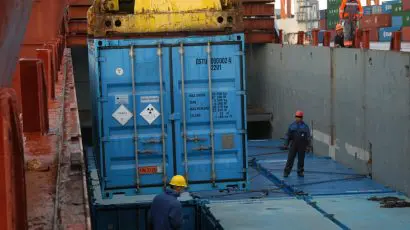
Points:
point(150, 114)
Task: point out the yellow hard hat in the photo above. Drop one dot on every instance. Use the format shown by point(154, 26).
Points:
point(178, 180)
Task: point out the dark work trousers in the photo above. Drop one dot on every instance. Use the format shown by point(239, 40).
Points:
point(293, 150)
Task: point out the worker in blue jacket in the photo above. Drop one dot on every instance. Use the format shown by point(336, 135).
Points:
point(298, 136)
point(166, 210)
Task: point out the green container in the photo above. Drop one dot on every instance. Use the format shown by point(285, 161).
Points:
point(331, 23)
point(397, 9)
point(332, 12)
point(406, 18)
point(333, 3)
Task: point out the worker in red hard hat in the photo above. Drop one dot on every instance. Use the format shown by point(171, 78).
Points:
point(339, 38)
point(350, 12)
point(298, 136)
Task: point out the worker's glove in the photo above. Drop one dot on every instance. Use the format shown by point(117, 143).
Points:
point(309, 149)
point(284, 147)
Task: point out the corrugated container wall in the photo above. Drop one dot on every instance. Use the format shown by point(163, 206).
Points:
point(385, 34)
point(376, 21)
point(406, 5)
point(374, 35)
point(396, 21)
point(367, 10)
point(376, 9)
point(323, 24)
point(171, 86)
point(406, 34)
point(397, 9)
point(406, 18)
point(332, 17)
point(323, 14)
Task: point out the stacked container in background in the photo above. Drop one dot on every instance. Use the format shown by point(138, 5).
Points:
point(332, 13)
point(322, 19)
point(367, 10)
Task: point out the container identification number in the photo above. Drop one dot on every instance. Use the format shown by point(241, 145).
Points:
point(216, 63)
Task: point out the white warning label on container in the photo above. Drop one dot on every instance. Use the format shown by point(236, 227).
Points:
point(150, 114)
point(119, 71)
point(149, 99)
point(121, 99)
point(122, 115)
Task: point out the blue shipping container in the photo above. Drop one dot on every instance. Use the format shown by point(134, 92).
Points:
point(170, 79)
point(397, 21)
point(323, 14)
point(387, 7)
point(321, 35)
point(385, 34)
point(367, 10)
point(377, 9)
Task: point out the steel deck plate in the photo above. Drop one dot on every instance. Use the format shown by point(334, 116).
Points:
point(260, 187)
point(265, 149)
point(323, 176)
point(285, 213)
point(356, 212)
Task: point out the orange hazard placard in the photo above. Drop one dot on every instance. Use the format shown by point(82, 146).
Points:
point(148, 170)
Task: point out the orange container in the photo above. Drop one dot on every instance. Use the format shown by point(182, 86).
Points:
point(405, 34)
point(258, 9)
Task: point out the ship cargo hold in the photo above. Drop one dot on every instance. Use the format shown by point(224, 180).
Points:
point(99, 115)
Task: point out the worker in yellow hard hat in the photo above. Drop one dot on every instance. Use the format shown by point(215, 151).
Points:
point(339, 38)
point(166, 210)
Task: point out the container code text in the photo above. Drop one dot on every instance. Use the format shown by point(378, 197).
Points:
point(216, 63)
point(220, 105)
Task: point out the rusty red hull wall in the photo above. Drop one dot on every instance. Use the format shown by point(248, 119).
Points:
point(14, 16)
point(45, 21)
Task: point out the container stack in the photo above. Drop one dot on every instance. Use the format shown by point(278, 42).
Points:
point(332, 13)
point(383, 20)
point(322, 19)
point(406, 21)
point(259, 21)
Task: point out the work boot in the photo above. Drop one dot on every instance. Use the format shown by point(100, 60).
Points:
point(301, 174)
point(285, 174)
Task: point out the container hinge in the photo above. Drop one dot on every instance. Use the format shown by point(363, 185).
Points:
point(105, 139)
point(102, 99)
point(101, 59)
point(242, 92)
point(242, 131)
point(239, 53)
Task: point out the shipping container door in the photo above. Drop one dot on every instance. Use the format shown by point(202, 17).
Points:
point(117, 77)
point(212, 149)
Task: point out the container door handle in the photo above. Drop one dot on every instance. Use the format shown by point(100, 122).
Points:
point(211, 119)
point(135, 118)
point(161, 91)
point(184, 132)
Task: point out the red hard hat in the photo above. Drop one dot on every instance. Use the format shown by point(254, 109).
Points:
point(299, 113)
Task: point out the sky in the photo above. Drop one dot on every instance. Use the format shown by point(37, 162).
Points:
point(322, 3)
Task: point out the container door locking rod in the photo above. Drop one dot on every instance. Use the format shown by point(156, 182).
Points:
point(211, 120)
point(184, 134)
point(164, 171)
point(134, 94)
